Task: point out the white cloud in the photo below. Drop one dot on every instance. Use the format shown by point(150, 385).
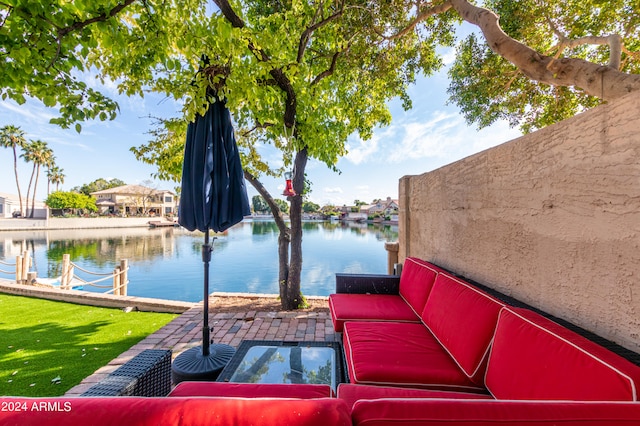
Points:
point(448, 56)
point(426, 140)
point(499, 132)
point(33, 118)
point(329, 195)
point(32, 112)
point(444, 137)
point(412, 139)
point(336, 190)
point(360, 151)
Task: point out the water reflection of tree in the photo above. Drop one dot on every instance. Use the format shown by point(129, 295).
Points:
point(19, 245)
point(218, 242)
point(107, 252)
point(103, 253)
point(311, 226)
point(386, 232)
point(252, 371)
point(75, 249)
point(296, 370)
point(298, 374)
point(264, 227)
point(380, 231)
point(320, 376)
point(102, 250)
point(332, 226)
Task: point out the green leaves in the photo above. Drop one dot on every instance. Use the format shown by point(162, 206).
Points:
point(340, 62)
point(488, 88)
point(339, 72)
point(71, 200)
point(43, 56)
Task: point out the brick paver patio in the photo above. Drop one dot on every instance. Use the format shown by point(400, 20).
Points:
point(185, 332)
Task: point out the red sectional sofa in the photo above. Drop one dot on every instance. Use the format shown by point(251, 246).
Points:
point(469, 358)
point(444, 353)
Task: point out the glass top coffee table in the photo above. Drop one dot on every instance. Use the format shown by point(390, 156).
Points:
point(267, 361)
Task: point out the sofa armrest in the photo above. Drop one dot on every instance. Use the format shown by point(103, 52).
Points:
point(367, 284)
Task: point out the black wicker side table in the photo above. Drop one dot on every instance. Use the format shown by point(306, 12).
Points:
point(146, 374)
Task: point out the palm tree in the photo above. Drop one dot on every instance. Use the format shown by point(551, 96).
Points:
point(12, 137)
point(40, 155)
point(54, 176)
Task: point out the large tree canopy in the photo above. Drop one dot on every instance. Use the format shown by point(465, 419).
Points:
point(552, 58)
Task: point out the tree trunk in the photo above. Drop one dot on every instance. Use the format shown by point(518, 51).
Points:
point(29, 189)
point(604, 82)
point(35, 185)
point(290, 268)
point(293, 299)
point(15, 170)
point(284, 237)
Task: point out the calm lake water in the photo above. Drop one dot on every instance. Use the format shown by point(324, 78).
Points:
point(167, 263)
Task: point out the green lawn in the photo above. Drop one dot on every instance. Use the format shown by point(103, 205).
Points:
point(48, 347)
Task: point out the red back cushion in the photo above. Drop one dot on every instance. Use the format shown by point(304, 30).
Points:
point(463, 319)
point(535, 358)
point(416, 282)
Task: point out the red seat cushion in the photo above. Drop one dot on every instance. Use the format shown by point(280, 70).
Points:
point(351, 393)
point(400, 354)
point(252, 390)
point(369, 307)
point(535, 358)
point(451, 412)
point(463, 319)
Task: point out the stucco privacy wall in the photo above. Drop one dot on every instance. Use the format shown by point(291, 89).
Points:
point(551, 218)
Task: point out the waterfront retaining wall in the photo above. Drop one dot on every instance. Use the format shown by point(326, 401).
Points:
point(551, 218)
point(74, 223)
point(144, 304)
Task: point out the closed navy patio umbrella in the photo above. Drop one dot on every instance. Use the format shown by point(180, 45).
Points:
point(213, 197)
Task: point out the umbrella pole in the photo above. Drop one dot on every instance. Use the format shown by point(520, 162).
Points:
point(202, 363)
point(206, 258)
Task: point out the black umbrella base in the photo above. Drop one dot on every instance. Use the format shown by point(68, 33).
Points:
point(191, 365)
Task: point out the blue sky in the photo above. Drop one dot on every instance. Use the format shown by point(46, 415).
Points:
point(430, 135)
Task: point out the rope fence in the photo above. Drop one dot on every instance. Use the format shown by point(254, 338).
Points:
point(2, 271)
point(68, 280)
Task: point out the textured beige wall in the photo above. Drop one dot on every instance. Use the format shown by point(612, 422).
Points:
point(551, 218)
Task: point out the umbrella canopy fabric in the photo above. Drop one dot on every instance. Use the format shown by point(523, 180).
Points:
point(214, 195)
